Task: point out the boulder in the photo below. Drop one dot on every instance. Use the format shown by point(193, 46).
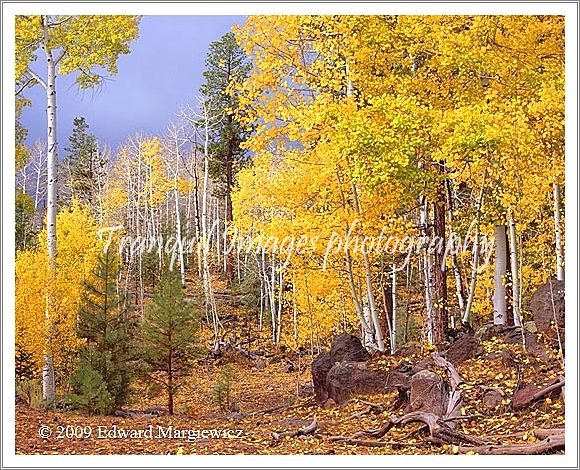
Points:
point(524, 396)
point(347, 379)
point(260, 364)
point(464, 347)
point(547, 306)
point(428, 393)
point(347, 347)
point(320, 368)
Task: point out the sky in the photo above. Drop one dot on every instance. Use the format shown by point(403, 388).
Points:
point(163, 71)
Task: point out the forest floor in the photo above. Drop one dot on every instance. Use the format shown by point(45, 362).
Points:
point(250, 430)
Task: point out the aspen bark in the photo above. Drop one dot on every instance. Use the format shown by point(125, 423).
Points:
point(514, 270)
point(48, 383)
point(475, 259)
point(499, 291)
point(558, 234)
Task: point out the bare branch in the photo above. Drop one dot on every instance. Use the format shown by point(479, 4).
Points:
point(28, 82)
point(38, 79)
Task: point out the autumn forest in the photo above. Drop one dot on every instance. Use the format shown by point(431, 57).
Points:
point(351, 241)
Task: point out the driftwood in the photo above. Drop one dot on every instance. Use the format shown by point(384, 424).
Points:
point(375, 408)
point(540, 433)
point(436, 425)
point(551, 443)
point(313, 426)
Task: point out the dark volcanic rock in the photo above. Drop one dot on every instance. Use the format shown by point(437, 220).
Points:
point(465, 347)
point(547, 306)
point(347, 347)
point(347, 379)
point(320, 368)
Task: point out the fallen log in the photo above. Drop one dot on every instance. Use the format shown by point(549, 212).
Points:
point(310, 429)
point(540, 433)
point(551, 443)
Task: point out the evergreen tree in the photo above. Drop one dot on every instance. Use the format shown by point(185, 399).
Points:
point(226, 66)
point(168, 334)
point(104, 321)
point(24, 218)
point(83, 162)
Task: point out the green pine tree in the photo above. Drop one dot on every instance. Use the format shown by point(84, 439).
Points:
point(91, 393)
point(104, 321)
point(168, 336)
point(227, 65)
point(85, 165)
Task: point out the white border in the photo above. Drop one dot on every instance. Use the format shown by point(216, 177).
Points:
point(50, 461)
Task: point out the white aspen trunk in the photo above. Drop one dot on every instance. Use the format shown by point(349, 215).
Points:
point(37, 188)
point(374, 318)
point(263, 292)
point(366, 329)
point(427, 271)
point(238, 267)
point(368, 337)
point(295, 311)
point(280, 294)
point(178, 228)
point(558, 234)
point(216, 223)
point(474, 268)
point(273, 301)
point(513, 242)
point(378, 334)
point(210, 303)
point(475, 258)
point(48, 382)
point(499, 290)
point(394, 302)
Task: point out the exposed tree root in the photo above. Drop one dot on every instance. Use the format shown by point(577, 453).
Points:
point(313, 426)
point(552, 443)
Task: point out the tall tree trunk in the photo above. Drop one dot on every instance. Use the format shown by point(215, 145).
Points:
point(499, 291)
point(514, 263)
point(386, 294)
point(475, 257)
point(365, 328)
point(48, 383)
point(440, 313)
point(378, 336)
point(374, 318)
point(459, 284)
point(229, 212)
point(210, 301)
point(394, 309)
point(558, 233)
point(427, 268)
point(509, 310)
